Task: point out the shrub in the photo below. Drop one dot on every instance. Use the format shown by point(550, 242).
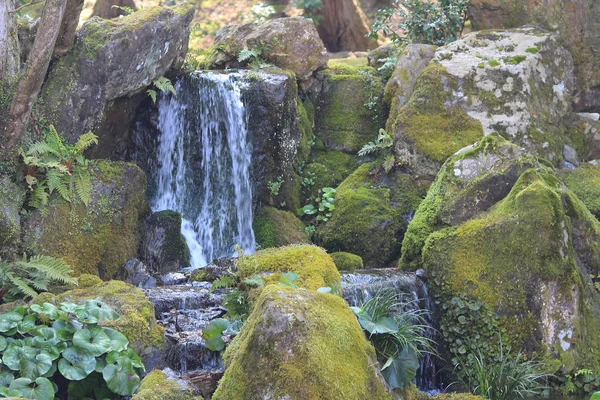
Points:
point(41, 344)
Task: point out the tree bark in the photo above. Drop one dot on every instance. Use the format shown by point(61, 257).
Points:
point(344, 26)
point(68, 27)
point(9, 43)
point(104, 8)
point(31, 80)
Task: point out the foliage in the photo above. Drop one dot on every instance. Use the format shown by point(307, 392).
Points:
point(25, 278)
point(54, 165)
point(252, 57)
point(261, 12)
point(382, 146)
point(310, 8)
point(421, 21)
point(274, 186)
point(214, 331)
point(323, 207)
point(164, 85)
point(582, 381)
point(125, 9)
point(37, 341)
point(387, 67)
point(397, 330)
point(506, 378)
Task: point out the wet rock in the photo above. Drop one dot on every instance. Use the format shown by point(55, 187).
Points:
point(12, 197)
point(157, 385)
point(174, 278)
point(289, 43)
point(136, 273)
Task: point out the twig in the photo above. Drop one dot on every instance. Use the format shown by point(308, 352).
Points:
point(26, 5)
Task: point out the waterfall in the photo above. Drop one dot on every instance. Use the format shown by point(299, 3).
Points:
point(204, 158)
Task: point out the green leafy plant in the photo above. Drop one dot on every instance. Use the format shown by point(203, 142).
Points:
point(252, 57)
point(507, 378)
point(274, 186)
point(388, 65)
point(421, 21)
point(54, 165)
point(261, 12)
point(323, 207)
point(310, 8)
point(582, 381)
point(381, 147)
point(397, 330)
point(125, 9)
point(216, 329)
point(25, 278)
point(40, 342)
point(164, 85)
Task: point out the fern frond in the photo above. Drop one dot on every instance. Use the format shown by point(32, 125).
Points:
point(56, 141)
point(165, 85)
point(42, 148)
point(247, 55)
point(389, 163)
point(152, 94)
point(368, 148)
point(21, 285)
point(54, 268)
point(39, 196)
point(83, 185)
point(84, 142)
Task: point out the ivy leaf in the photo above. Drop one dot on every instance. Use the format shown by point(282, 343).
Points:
point(76, 364)
point(3, 343)
point(95, 341)
point(34, 367)
point(94, 311)
point(40, 389)
point(213, 332)
point(45, 336)
point(48, 309)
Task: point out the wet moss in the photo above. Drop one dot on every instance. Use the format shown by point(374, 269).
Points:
point(156, 386)
point(347, 261)
point(585, 183)
point(314, 266)
point(300, 345)
point(276, 228)
point(328, 168)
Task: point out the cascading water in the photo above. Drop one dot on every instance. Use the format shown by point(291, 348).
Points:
point(204, 157)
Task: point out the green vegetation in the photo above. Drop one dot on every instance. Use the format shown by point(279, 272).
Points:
point(421, 21)
point(53, 165)
point(585, 183)
point(383, 147)
point(39, 340)
point(25, 278)
point(347, 261)
point(323, 207)
point(310, 8)
point(156, 386)
point(261, 12)
point(164, 85)
point(276, 228)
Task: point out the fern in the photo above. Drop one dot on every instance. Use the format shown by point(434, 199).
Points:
point(152, 94)
point(248, 55)
point(164, 85)
point(83, 186)
point(84, 142)
point(382, 146)
point(54, 269)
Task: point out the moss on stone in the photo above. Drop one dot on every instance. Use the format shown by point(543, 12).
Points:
point(314, 266)
point(306, 134)
point(156, 386)
point(347, 261)
point(356, 63)
point(370, 216)
point(585, 183)
point(276, 228)
point(328, 168)
point(300, 345)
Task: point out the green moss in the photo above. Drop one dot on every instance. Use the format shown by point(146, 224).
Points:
point(300, 345)
point(532, 50)
point(156, 386)
point(328, 168)
point(314, 266)
point(585, 183)
point(355, 63)
point(276, 228)
point(456, 396)
point(347, 261)
point(306, 134)
point(494, 63)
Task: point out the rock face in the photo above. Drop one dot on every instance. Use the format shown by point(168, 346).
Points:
point(576, 22)
point(343, 26)
point(112, 59)
point(163, 248)
point(371, 215)
point(498, 225)
point(299, 344)
point(276, 228)
point(518, 83)
point(289, 43)
point(98, 239)
point(11, 202)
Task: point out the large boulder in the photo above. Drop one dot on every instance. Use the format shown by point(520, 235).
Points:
point(498, 226)
point(518, 83)
point(577, 24)
point(97, 239)
point(12, 196)
point(371, 214)
point(111, 59)
point(276, 228)
point(298, 344)
point(289, 43)
point(157, 385)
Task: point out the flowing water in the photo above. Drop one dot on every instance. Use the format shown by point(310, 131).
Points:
point(204, 158)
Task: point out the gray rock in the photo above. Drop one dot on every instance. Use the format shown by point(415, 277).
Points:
point(11, 202)
point(163, 248)
point(135, 273)
point(174, 278)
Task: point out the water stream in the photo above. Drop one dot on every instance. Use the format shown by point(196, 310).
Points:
point(204, 158)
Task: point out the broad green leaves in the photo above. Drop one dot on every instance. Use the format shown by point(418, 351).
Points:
point(213, 332)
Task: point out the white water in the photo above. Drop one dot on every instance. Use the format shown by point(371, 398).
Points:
point(204, 158)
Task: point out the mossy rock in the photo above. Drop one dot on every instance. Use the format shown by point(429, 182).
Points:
point(137, 321)
point(371, 214)
point(314, 266)
point(300, 345)
point(347, 261)
point(585, 183)
point(157, 386)
point(163, 248)
point(350, 111)
point(97, 239)
point(276, 228)
point(12, 197)
point(328, 168)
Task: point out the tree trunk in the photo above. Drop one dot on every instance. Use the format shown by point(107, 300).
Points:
point(68, 27)
point(104, 8)
point(31, 80)
point(9, 59)
point(343, 26)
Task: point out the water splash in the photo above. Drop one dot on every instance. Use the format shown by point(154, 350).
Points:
point(204, 158)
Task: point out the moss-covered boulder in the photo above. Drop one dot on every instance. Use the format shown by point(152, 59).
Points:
point(585, 183)
point(350, 108)
point(279, 43)
point(499, 226)
point(276, 228)
point(300, 345)
point(110, 59)
point(158, 386)
point(576, 22)
point(137, 321)
point(163, 248)
point(314, 266)
point(347, 261)
point(97, 239)
point(371, 214)
point(327, 168)
point(11, 202)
